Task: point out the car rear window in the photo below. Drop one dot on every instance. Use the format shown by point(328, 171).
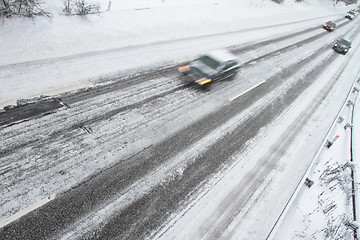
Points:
point(343, 41)
point(209, 62)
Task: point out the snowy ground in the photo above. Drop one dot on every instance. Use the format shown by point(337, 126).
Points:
point(45, 57)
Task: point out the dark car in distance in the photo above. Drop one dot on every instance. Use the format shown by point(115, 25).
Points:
point(330, 26)
point(342, 46)
point(214, 66)
point(350, 15)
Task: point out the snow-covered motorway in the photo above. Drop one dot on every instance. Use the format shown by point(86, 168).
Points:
point(123, 157)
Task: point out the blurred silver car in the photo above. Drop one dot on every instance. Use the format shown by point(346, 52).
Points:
point(213, 66)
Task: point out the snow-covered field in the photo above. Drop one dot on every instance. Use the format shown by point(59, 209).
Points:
point(46, 57)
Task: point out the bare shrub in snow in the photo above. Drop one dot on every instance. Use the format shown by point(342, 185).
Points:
point(336, 228)
point(26, 8)
point(80, 7)
point(67, 7)
point(336, 176)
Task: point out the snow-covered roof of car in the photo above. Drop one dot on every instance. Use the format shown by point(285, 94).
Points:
point(331, 23)
point(222, 55)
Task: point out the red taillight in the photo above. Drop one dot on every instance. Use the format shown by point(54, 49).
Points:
point(183, 68)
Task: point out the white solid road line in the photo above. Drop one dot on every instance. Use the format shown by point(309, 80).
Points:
point(233, 98)
point(27, 210)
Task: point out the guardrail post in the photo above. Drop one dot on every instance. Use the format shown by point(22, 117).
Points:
point(340, 119)
point(350, 103)
point(330, 143)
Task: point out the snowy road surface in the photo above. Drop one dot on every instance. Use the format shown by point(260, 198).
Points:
point(140, 153)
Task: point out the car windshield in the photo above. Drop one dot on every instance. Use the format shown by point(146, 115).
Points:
point(331, 23)
point(345, 42)
point(209, 62)
point(352, 13)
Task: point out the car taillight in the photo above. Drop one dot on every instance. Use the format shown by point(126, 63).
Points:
point(183, 68)
point(203, 81)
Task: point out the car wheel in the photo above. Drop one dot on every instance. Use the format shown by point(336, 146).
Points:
point(231, 77)
point(206, 87)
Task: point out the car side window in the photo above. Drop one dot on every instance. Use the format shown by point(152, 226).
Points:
point(230, 64)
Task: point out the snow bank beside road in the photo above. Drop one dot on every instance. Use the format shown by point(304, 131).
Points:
point(132, 23)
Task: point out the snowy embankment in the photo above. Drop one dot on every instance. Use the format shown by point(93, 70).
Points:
point(43, 57)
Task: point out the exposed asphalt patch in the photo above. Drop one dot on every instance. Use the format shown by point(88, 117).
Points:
point(24, 112)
